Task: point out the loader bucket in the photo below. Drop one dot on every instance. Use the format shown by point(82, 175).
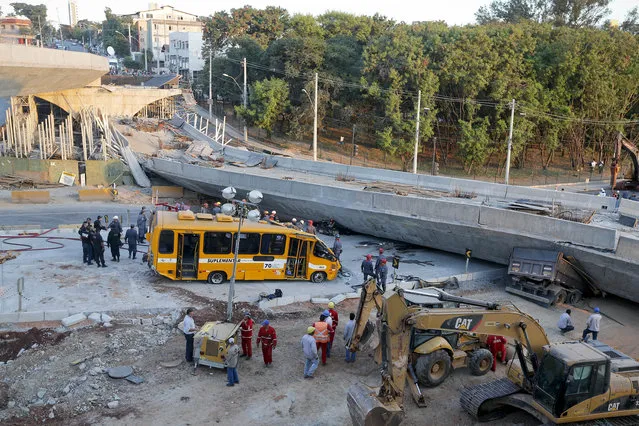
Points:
point(367, 410)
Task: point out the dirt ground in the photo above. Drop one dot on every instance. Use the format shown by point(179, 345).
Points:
point(42, 385)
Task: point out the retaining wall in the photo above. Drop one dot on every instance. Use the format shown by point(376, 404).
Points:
point(97, 172)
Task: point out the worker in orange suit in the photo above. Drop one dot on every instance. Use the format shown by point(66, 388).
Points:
point(497, 346)
point(267, 336)
point(322, 336)
point(246, 329)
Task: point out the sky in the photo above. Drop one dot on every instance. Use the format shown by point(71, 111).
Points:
point(453, 12)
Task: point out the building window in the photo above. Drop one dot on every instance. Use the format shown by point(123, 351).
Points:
point(170, 29)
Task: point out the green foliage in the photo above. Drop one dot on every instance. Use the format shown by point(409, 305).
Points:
point(548, 55)
point(269, 101)
point(131, 63)
point(115, 32)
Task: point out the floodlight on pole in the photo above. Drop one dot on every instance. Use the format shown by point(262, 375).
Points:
point(241, 208)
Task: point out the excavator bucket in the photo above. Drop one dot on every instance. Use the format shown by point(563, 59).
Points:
point(366, 409)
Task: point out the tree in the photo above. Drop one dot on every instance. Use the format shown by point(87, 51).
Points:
point(269, 100)
point(114, 28)
point(37, 13)
point(631, 22)
point(572, 13)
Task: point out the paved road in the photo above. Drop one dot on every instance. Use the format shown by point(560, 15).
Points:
point(52, 215)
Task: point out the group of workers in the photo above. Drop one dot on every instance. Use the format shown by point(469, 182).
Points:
point(93, 244)
point(379, 270)
point(592, 324)
point(318, 337)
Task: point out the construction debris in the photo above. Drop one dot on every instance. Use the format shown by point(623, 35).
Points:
point(21, 182)
point(7, 255)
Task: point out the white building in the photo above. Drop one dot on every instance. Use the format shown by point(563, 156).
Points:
point(185, 54)
point(155, 26)
point(73, 13)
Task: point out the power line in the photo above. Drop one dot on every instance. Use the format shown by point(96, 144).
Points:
point(443, 98)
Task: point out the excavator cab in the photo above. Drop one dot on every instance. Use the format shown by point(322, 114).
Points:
point(569, 375)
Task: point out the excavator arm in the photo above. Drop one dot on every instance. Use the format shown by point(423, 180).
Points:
point(370, 299)
point(384, 406)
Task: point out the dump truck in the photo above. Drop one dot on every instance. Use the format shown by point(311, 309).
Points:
point(556, 383)
point(547, 277)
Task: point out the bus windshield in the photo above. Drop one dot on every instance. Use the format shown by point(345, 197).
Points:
point(322, 251)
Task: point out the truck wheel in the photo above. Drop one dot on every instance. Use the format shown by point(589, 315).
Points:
point(216, 277)
point(480, 362)
point(318, 277)
point(561, 297)
point(574, 297)
point(432, 369)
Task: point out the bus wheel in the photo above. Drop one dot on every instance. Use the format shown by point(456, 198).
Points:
point(318, 277)
point(216, 277)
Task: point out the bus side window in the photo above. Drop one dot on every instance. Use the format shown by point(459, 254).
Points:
point(166, 242)
point(217, 242)
point(250, 243)
point(273, 244)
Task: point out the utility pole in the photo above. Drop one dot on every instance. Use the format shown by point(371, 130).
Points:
point(510, 140)
point(419, 106)
point(434, 154)
point(130, 44)
point(244, 99)
point(315, 121)
point(211, 83)
point(353, 146)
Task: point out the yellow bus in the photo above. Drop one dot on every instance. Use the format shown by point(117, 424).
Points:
point(188, 246)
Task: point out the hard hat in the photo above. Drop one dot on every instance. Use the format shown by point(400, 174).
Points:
point(265, 211)
point(337, 237)
point(265, 322)
point(331, 305)
point(302, 221)
point(310, 330)
point(326, 312)
point(217, 203)
point(205, 204)
point(383, 261)
point(231, 340)
point(293, 220)
point(115, 218)
point(310, 222)
point(596, 310)
point(247, 314)
point(381, 249)
point(273, 212)
point(369, 256)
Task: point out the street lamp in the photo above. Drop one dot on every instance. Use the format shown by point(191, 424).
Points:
point(242, 210)
point(146, 64)
point(243, 99)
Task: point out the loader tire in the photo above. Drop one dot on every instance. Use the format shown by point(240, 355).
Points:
point(480, 361)
point(432, 369)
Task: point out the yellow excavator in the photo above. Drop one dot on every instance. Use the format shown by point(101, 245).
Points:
point(556, 383)
point(433, 353)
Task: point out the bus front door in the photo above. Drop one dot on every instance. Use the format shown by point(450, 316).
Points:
point(187, 256)
point(296, 262)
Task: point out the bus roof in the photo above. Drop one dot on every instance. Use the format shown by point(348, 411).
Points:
point(219, 222)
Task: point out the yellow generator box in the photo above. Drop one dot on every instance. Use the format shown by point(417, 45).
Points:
point(213, 342)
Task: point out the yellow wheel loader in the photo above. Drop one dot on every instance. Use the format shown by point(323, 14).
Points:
point(433, 354)
point(557, 383)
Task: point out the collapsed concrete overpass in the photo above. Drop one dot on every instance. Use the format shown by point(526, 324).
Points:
point(29, 70)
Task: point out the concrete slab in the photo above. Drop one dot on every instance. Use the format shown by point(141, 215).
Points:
point(320, 300)
point(9, 317)
point(31, 316)
point(100, 194)
point(167, 191)
point(55, 315)
point(30, 197)
point(629, 208)
point(338, 299)
point(73, 319)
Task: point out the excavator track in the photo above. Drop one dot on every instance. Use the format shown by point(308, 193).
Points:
point(472, 398)
point(502, 396)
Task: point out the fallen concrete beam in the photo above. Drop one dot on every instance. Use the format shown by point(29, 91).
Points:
point(167, 191)
point(73, 319)
point(101, 194)
point(629, 208)
point(30, 197)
